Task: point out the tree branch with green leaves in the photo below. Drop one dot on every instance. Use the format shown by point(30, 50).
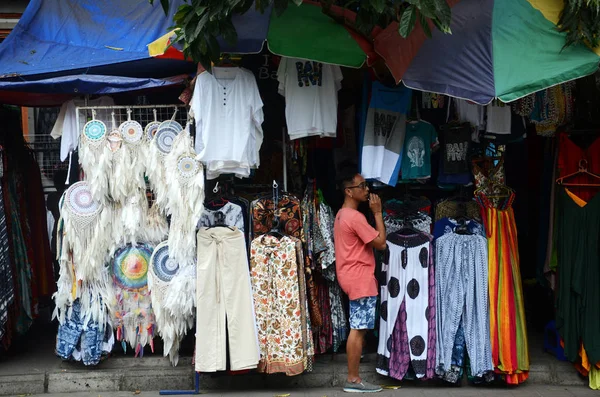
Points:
point(198, 23)
point(580, 20)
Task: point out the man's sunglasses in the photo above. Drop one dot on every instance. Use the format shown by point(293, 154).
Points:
point(362, 185)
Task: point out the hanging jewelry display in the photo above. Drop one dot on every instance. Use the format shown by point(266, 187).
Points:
point(133, 318)
point(160, 146)
point(185, 192)
point(91, 157)
point(164, 284)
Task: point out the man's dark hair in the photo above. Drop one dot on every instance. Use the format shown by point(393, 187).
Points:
point(345, 174)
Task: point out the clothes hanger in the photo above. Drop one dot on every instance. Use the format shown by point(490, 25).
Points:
point(227, 61)
point(275, 231)
point(583, 170)
point(462, 226)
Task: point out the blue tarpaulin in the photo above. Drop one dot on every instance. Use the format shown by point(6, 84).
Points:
point(107, 37)
point(74, 47)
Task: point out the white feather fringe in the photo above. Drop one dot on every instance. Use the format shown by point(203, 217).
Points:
point(185, 201)
point(173, 304)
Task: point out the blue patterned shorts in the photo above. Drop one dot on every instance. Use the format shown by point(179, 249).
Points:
point(362, 313)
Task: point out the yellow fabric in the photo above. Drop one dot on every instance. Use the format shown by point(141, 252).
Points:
point(594, 378)
point(551, 10)
point(159, 46)
point(576, 199)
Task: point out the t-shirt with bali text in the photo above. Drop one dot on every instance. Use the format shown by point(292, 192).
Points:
point(384, 132)
point(420, 139)
point(354, 259)
point(455, 148)
point(310, 89)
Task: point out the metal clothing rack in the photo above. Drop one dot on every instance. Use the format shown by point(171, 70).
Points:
point(143, 114)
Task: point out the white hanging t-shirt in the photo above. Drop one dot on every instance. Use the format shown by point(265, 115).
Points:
point(66, 123)
point(310, 90)
point(227, 109)
point(498, 119)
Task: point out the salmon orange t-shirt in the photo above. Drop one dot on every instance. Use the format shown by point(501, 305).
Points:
point(354, 259)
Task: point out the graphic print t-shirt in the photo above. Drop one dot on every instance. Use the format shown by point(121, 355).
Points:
point(455, 148)
point(384, 131)
point(420, 139)
point(310, 90)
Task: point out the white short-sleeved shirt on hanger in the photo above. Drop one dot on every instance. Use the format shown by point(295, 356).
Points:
point(227, 109)
point(310, 90)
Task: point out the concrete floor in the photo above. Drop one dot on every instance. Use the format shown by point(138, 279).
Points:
point(34, 369)
point(522, 391)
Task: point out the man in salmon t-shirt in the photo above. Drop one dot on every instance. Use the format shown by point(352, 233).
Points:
point(355, 240)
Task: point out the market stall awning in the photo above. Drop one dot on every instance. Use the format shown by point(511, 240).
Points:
point(56, 90)
point(72, 37)
point(498, 49)
point(301, 32)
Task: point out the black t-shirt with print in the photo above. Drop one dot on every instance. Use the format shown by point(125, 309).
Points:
point(455, 148)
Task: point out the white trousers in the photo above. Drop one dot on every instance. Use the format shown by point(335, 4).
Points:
point(224, 299)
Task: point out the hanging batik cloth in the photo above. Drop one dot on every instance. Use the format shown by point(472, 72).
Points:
point(7, 287)
point(275, 286)
point(133, 318)
point(171, 302)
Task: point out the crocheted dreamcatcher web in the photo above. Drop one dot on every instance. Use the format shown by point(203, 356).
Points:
point(151, 129)
point(81, 204)
point(164, 139)
point(187, 166)
point(163, 267)
point(130, 267)
point(131, 131)
point(165, 135)
point(94, 130)
point(171, 125)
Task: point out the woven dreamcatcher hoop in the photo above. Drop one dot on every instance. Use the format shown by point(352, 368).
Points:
point(130, 267)
point(131, 131)
point(187, 167)
point(81, 205)
point(162, 267)
point(94, 131)
point(152, 127)
point(164, 138)
point(166, 133)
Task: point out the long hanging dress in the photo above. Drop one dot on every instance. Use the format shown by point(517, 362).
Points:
point(508, 332)
point(578, 249)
